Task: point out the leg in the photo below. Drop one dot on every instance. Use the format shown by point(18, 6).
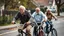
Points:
point(35, 30)
point(51, 26)
point(47, 23)
point(46, 28)
point(28, 28)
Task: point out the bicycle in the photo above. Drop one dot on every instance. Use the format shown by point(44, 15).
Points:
point(22, 32)
point(39, 29)
point(53, 31)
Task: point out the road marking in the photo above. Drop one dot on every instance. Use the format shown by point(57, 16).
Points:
point(8, 32)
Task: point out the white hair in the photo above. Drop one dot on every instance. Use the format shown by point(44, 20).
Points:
point(37, 8)
point(22, 7)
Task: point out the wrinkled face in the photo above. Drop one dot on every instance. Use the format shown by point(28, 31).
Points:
point(22, 10)
point(37, 10)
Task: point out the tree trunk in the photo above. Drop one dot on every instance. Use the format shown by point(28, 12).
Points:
point(58, 10)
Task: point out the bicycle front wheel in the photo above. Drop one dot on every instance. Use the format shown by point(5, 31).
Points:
point(40, 33)
point(53, 32)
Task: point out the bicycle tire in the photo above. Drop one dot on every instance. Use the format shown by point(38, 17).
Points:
point(19, 35)
point(53, 32)
point(41, 33)
point(47, 32)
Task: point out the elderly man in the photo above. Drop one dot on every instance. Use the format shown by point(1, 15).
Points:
point(38, 16)
point(24, 17)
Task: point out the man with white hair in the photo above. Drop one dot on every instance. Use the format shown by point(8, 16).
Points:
point(39, 17)
point(24, 17)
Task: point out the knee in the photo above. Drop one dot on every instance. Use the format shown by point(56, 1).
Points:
point(28, 28)
point(19, 30)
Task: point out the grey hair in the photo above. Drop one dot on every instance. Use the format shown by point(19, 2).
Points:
point(37, 8)
point(22, 7)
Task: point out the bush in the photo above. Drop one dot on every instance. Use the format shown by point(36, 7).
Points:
point(5, 20)
point(7, 17)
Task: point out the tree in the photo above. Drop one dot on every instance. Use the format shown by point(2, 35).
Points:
point(11, 4)
point(59, 3)
point(1, 1)
point(24, 2)
point(27, 3)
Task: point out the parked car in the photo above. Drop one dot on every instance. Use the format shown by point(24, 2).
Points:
point(53, 10)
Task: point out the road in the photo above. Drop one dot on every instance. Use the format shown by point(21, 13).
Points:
point(58, 25)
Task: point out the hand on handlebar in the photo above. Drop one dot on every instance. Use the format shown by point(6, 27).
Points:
point(56, 19)
point(44, 21)
point(13, 22)
point(27, 22)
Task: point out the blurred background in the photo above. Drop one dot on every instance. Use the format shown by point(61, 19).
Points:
point(9, 8)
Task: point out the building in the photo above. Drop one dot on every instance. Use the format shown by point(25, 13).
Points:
point(50, 4)
point(41, 2)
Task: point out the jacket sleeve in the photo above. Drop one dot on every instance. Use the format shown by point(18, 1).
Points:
point(29, 16)
point(32, 18)
point(16, 17)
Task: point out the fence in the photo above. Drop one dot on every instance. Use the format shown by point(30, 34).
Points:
point(7, 16)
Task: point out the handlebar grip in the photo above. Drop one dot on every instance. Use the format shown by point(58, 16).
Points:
point(14, 22)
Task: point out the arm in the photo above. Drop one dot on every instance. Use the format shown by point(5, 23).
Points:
point(29, 16)
point(32, 18)
point(15, 18)
point(45, 17)
point(54, 16)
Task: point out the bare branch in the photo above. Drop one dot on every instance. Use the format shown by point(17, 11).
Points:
point(62, 4)
point(56, 1)
point(59, 1)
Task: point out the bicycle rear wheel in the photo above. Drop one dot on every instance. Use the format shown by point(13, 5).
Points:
point(53, 32)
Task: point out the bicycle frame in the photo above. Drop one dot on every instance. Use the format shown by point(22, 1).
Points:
point(23, 31)
point(39, 28)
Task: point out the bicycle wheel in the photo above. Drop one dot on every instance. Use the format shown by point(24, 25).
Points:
point(19, 35)
point(53, 32)
point(46, 31)
point(40, 33)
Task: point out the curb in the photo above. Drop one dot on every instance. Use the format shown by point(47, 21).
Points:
point(7, 32)
point(59, 16)
point(9, 26)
